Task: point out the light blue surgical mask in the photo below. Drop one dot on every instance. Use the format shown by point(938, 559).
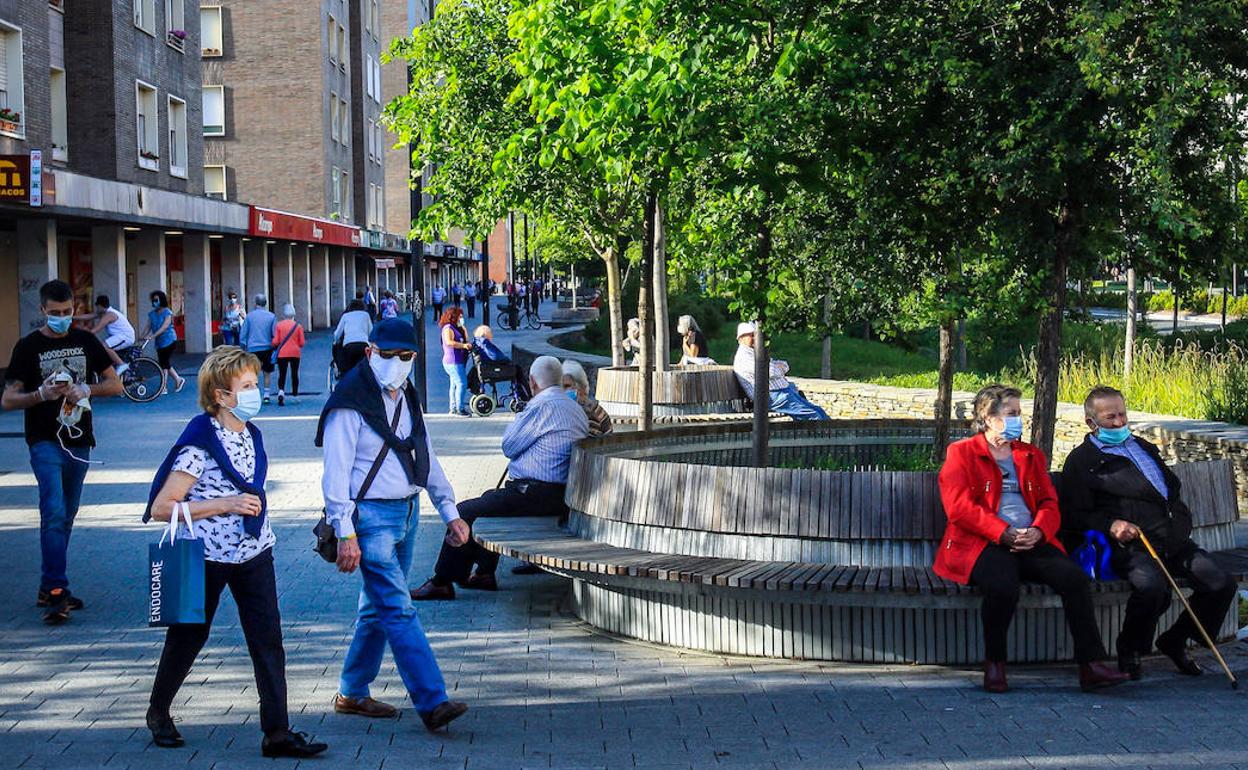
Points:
point(248, 405)
point(155, 302)
point(1113, 436)
point(59, 324)
point(571, 394)
point(1013, 429)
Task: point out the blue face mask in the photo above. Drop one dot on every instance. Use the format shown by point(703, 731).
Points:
point(248, 405)
point(1013, 430)
point(1113, 436)
point(59, 324)
point(571, 394)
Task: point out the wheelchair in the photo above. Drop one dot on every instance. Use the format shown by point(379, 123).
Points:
point(483, 382)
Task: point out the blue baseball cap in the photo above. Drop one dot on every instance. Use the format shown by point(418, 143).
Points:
point(393, 334)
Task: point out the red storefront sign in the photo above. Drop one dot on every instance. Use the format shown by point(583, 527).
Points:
point(278, 225)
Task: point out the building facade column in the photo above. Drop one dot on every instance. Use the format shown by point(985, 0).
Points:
point(36, 265)
point(283, 278)
point(338, 296)
point(321, 281)
point(301, 285)
point(197, 291)
point(150, 267)
point(256, 272)
point(108, 264)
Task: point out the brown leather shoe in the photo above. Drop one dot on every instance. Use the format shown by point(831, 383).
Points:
point(431, 592)
point(443, 714)
point(1098, 675)
point(482, 583)
point(1176, 650)
point(994, 676)
point(365, 707)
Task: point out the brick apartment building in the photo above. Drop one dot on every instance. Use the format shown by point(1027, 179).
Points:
point(103, 161)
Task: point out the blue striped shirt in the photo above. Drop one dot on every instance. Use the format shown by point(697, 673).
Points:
point(1141, 459)
point(539, 442)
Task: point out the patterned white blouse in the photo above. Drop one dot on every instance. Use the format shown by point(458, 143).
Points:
point(225, 541)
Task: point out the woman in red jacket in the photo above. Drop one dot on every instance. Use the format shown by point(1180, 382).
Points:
point(1003, 522)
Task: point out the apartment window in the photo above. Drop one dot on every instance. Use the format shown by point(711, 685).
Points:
point(331, 32)
point(177, 137)
point(60, 117)
point(211, 31)
point(333, 117)
point(345, 195)
point(214, 110)
point(214, 182)
point(335, 182)
point(379, 142)
point(344, 119)
point(375, 16)
point(148, 132)
point(344, 50)
point(145, 15)
point(12, 91)
point(377, 81)
point(372, 147)
point(368, 76)
point(175, 23)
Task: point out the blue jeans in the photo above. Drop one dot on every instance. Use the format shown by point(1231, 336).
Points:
point(386, 530)
point(459, 385)
point(792, 403)
point(60, 479)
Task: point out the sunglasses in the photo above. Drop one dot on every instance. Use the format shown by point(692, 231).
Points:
point(402, 355)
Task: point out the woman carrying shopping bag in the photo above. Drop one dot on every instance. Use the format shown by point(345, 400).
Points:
point(216, 472)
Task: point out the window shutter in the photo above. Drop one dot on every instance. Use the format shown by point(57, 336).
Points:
point(4, 63)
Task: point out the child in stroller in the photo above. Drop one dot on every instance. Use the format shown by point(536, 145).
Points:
point(490, 367)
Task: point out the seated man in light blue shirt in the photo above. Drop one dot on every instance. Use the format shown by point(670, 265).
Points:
point(539, 444)
point(377, 459)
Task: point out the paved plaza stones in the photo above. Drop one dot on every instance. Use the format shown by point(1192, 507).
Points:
point(545, 690)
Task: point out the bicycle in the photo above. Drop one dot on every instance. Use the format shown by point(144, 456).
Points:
point(511, 317)
point(143, 380)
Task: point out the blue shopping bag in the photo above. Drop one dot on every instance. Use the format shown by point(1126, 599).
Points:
point(176, 574)
point(1094, 556)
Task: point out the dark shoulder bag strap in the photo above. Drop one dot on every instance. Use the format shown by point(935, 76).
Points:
point(381, 456)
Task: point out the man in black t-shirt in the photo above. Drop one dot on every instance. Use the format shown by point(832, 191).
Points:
point(50, 373)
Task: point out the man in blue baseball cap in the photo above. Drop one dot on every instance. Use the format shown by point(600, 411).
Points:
point(377, 460)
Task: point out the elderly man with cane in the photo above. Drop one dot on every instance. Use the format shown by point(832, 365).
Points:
point(1116, 483)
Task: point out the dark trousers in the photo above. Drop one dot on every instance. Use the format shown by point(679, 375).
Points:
point(516, 498)
point(293, 365)
point(1212, 592)
point(254, 588)
point(350, 355)
point(472, 307)
point(437, 311)
point(998, 574)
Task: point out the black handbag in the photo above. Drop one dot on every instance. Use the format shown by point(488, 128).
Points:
point(326, 538)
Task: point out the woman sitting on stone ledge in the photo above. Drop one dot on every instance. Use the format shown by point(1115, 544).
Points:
point(1002, 529)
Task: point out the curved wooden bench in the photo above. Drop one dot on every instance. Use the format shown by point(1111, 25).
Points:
point(679, 501)
point(677, 391)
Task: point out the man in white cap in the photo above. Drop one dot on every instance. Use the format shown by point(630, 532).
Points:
point(782, 395)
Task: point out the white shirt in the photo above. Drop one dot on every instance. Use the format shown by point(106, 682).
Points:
point(353, 326)
point(119, 328)
point(225, 540)
point(351, 447)
point(743, 367)
point(539, 442)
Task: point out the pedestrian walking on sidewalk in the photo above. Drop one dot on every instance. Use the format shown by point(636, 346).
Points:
point(215, 472)
point(470, 294)
point(257, 338)
point(48, 377)
point(160, 329)
point(288, 344)
point(378, 458)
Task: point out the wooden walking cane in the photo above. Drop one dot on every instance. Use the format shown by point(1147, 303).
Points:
point(1195, 620)
point(503, 478)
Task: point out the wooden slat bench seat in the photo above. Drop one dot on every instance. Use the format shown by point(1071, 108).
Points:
point(837, 612)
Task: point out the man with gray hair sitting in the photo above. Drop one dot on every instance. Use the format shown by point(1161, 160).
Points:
point(539, 445)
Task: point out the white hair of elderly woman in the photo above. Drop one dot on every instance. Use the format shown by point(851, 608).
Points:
point(685, 324)
point(546, 371)
point(634, 326)
point(575, 372)
point(288, 310)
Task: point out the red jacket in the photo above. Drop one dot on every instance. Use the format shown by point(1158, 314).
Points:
point(970, 489)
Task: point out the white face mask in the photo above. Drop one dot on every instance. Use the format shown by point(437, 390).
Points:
point(392, 372)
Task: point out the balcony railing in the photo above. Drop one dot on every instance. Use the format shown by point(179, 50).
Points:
point(176, 38)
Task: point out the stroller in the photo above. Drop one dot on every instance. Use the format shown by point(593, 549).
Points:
point(483, 381)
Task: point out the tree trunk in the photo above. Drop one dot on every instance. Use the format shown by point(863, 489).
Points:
point(645, 358)
point(762, 361)
point(615, 304)
point(1048, 349)
point(662, 343)
point(1174, 319)
point(1133, 310)
point(572, 281)
point(944, 390)
point(961, 349)
point(825, 364)
point(1224, 308)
